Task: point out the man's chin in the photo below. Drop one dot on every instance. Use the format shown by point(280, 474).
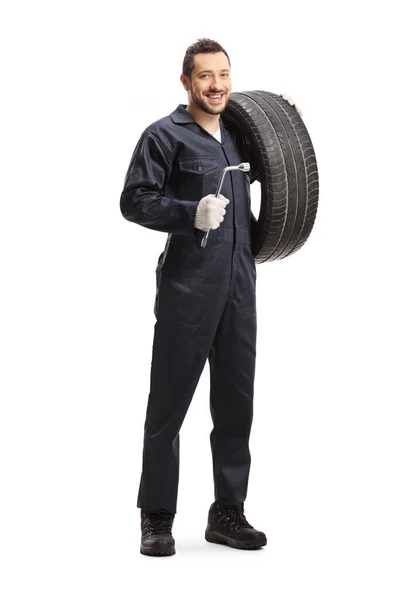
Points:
point(217, 110)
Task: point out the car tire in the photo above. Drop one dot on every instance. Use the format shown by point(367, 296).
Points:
point(287, 171)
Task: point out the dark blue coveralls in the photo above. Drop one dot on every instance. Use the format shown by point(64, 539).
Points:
point(205, 304)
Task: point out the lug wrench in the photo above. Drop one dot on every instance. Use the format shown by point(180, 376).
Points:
point(242, 167)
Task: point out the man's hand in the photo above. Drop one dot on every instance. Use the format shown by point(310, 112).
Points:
point(210, 212)
point(291, 102)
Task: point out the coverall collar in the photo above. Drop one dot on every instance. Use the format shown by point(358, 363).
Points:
point(181, 116)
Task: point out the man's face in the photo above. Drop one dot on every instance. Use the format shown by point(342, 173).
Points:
point(210, 76)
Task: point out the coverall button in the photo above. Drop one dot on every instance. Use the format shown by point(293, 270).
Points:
point(199, 168)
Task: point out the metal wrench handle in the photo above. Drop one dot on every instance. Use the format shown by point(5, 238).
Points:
point(221, 179)
point(241, 167)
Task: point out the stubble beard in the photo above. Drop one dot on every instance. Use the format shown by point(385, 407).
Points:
point(201, 103)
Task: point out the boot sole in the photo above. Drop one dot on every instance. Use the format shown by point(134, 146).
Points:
point(218, 538)
point(157, 552)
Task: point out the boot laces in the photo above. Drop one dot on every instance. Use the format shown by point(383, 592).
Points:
point(160, 522)
point(233, 514)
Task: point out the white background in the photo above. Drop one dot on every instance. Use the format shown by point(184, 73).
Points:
point(81, 82)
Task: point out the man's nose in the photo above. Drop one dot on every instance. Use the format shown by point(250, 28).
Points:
point(217, 83)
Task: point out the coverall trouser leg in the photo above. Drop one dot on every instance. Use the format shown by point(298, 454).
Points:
point(197, 326)
point(232, 368)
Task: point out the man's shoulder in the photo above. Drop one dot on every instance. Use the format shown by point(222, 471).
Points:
point(161, 127)
point(164, 134)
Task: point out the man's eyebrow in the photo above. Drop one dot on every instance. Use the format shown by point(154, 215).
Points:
point(210, 71)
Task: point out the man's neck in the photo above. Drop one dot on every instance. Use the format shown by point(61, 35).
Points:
point(208, 122)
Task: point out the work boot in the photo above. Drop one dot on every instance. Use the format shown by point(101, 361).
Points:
point(157, 538)
point(228, 525)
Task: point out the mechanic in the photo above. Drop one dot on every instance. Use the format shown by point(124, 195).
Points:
point(205, 303)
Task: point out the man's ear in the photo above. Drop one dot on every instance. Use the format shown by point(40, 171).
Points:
point(184, 81)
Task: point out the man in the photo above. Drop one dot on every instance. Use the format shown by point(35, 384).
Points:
point(205, 303)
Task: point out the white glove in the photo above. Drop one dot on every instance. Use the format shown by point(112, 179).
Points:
point(210, 212)
point(291, 102)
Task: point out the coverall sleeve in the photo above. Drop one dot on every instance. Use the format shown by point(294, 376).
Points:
point(142, 200)
point(254, 172)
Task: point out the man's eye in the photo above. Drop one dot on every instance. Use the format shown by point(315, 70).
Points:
point(206, 75)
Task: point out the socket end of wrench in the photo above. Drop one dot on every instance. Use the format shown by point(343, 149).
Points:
point(204, 239)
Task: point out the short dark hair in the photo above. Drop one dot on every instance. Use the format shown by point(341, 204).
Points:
point(201, 45)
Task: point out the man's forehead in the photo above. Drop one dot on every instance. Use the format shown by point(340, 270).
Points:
point(211, 62)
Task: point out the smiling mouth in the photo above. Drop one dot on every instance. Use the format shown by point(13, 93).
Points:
point(215, 98)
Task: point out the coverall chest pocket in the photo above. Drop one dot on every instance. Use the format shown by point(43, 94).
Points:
point(198, 176)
